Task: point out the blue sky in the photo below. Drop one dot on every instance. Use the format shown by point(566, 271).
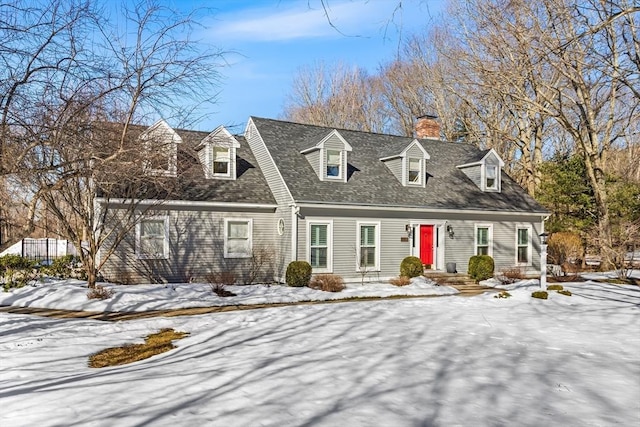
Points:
point(273, 39)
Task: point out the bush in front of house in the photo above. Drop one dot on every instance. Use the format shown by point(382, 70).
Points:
point(62, 267)
point(16, 271)
point(481, 267)
point(555, 287)
point(540, 294)
point(411, 266)
point(327, 282)
point(298, 274)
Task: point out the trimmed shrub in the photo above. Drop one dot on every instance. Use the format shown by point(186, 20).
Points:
point(400, 281)
point(298, 274)
point(555, 287)
point(481, 267)
point(540, 294)
point(565, 292)
point(327, 282)
point(411, 266)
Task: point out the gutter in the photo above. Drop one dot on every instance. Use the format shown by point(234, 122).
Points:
point(184, 203)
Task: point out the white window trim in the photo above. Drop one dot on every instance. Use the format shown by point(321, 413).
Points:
point(484, 178)
point(329, 224)
point(228, 254)
point(376, 224)
point(529, 246)
point(141, 255)
point(325, 161)
point(417, 183)
point(230, 151)
point(490, 238)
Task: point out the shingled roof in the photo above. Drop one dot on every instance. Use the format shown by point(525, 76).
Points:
point(250, 186)
point(371, 183)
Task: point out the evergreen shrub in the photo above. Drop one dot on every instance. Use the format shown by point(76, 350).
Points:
point(411, 266)
point(481, 267)
point(298, 274)
point(540, 294)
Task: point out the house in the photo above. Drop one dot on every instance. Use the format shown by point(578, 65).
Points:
point(348, 202)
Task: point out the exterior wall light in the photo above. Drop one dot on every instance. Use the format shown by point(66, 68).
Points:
point(450, 231)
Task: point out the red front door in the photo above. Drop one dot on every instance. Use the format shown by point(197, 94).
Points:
point(426, 244)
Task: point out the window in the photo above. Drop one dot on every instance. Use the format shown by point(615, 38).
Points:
point(237, 238)
point(334, 164)
point(221, 161)
point(523, 245)
point(152, 238)
point(415, 171)
point(368, 256)
point(319, 247)
point(483, 240)
point(491, 177)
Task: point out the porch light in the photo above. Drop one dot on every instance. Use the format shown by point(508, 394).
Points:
point(543, 260)
point(450, 231)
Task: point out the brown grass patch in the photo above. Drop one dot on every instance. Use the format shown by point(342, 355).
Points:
point(100, 292)
point(157, 343)
point(400, 281)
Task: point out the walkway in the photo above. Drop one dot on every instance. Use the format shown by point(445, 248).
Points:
point(465, 290)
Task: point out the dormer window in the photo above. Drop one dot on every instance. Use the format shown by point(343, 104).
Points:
point(491, 180)
point(221, 158)
point(328, 157)
point(217, 153)
point(408, 163)
point(160, 143)
point(415, 171)
point(485, 170)
point(334, 164)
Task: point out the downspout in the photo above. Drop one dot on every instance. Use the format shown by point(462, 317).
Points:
point(295, 210)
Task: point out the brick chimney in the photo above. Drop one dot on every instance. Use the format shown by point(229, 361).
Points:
point(427, 126)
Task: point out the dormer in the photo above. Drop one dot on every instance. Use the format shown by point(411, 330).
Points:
point(160, 144)
point(486, 173)
point(410, 165)
point(329, 157)
point(217, 154)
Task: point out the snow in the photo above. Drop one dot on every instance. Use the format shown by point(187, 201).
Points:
point(443, 361)
point(72, 295)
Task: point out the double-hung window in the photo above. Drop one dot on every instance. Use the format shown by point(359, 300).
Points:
point(523, 246)
point(152, 238)
point(415, 170)
point(483, 240)
point(368, 246)
point(491, 177)
point(320, 245)
point(221, 158)
point(334, 164)
point(238, 238)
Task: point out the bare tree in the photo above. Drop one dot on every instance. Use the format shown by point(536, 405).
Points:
point(337, 96)
point(73, 105)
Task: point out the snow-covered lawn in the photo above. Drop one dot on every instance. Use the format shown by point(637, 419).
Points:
point(477, 361)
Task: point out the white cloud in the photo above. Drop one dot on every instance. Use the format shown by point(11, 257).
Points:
point(303, 20)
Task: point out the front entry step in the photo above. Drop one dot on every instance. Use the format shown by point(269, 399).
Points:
point(443, 278)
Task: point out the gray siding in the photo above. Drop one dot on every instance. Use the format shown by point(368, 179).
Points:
point(392, 233)
point(276, 184)
point(474, 174)
point(314, 160)
point(395, 166)
point(196, 248)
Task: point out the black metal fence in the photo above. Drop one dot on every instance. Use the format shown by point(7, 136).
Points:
point(46, 250)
